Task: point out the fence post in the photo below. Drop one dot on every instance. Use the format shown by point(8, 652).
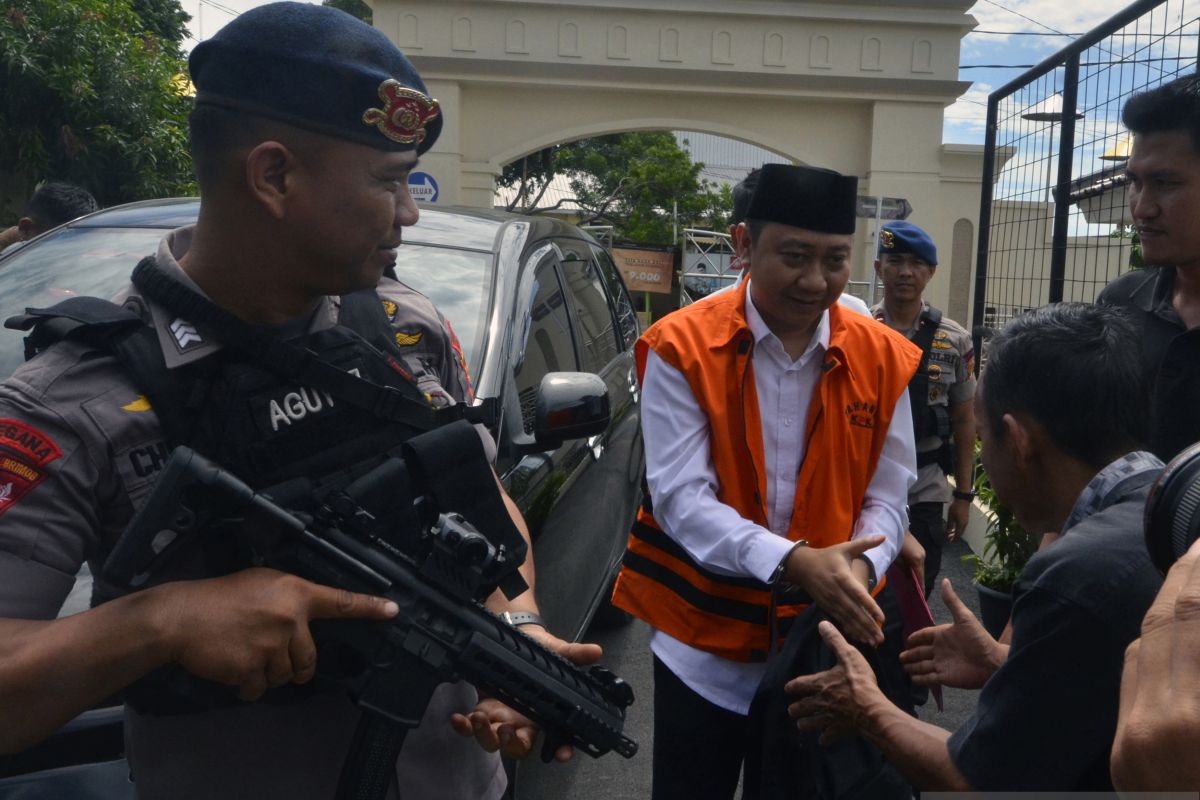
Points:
point(985, 228)
point(1062, 191)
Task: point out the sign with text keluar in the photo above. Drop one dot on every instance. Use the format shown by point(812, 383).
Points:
point(645, 270)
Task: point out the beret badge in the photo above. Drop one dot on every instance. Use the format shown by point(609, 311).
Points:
point(887, 239)
point(404, 114)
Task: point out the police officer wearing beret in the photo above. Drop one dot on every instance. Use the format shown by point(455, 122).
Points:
point(941, 392)
point(307, 124)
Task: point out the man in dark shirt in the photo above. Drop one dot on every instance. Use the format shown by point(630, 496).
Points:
point(1164, 300)
point(1061, 444)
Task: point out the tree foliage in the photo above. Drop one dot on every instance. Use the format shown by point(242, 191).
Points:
point(165, 19)
point(89, 97)
point(639, 183)
point(355, 8)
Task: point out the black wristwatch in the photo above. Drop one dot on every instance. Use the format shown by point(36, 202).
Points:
point(963, 495)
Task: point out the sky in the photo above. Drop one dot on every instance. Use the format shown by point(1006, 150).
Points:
point(1003, 37)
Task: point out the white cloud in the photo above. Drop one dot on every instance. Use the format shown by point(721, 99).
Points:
point(1067, 17)
point(968, 115)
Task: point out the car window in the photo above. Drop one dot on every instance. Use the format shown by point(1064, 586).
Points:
point(548, 346)
point(459, 284)
point(598, 342)
point(73, 261)
point(627, 321)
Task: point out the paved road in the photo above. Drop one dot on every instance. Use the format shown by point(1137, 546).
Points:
point(627, 652)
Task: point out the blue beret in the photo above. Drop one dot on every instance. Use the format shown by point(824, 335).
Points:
point(805, 197)
point(320, 69)
point(904, 237)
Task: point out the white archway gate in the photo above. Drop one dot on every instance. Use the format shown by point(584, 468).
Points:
point(856, 86)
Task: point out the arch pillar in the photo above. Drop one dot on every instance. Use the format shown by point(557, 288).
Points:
point(445, 161)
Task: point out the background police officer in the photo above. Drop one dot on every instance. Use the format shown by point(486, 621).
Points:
point(940, 392)
point(307, 125)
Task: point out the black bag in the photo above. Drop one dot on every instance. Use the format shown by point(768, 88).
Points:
point(783, 763)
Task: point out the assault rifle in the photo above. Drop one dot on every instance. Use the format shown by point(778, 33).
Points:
point(437, 577)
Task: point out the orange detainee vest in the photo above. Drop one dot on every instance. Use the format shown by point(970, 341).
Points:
point(866, 368)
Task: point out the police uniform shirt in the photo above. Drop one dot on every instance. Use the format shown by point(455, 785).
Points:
point(951, 381)
point(81, 450)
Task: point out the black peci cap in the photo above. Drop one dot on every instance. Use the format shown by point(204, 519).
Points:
point(805, 197)
point(319, 69)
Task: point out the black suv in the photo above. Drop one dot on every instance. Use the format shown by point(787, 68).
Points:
point(526, 296)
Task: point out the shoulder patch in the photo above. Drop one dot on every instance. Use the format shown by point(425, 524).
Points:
point(24, 453)
point(185, 335)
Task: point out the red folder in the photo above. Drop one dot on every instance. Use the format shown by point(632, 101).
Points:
point(914, 611)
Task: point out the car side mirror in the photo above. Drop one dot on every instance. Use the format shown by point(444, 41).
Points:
point(570, 405)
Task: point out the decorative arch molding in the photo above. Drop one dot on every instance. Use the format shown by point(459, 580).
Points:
point(961, 248)
point(773, 53)
point(514, 37)
point(818, 53)
point(922, 60)
point(872, 54)
point(668, 45)
point(618, 42)
point(541, 139)
point(408, 32)
point(460, 37)
point(722, 47)
point(568, 39)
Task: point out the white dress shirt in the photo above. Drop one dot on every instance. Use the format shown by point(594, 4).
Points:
point(683, 483)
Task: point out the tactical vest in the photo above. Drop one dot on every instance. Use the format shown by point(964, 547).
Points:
point(332, 403)
point(929, 420)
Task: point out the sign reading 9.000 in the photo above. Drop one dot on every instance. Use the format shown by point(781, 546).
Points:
point(646, 270)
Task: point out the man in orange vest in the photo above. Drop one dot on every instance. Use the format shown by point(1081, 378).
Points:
point(779, 451)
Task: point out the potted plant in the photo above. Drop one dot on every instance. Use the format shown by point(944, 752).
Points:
point(1007, 547)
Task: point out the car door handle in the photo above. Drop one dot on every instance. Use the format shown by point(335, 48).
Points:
point(596, 443)
point(634, 388)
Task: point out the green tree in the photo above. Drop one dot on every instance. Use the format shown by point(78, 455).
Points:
point(88, 97)
point(165, 19)
point(639, 183)
point(355, 8)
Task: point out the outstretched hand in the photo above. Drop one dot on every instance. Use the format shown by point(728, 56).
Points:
point(828, 575)
point(495, 726)
point(960, 654)
point(838, 700)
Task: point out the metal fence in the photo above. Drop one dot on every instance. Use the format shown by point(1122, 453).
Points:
point(1055, 225)
point(709, 263)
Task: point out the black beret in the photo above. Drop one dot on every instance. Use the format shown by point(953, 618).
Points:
point(320, 69)
point(805, 197)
